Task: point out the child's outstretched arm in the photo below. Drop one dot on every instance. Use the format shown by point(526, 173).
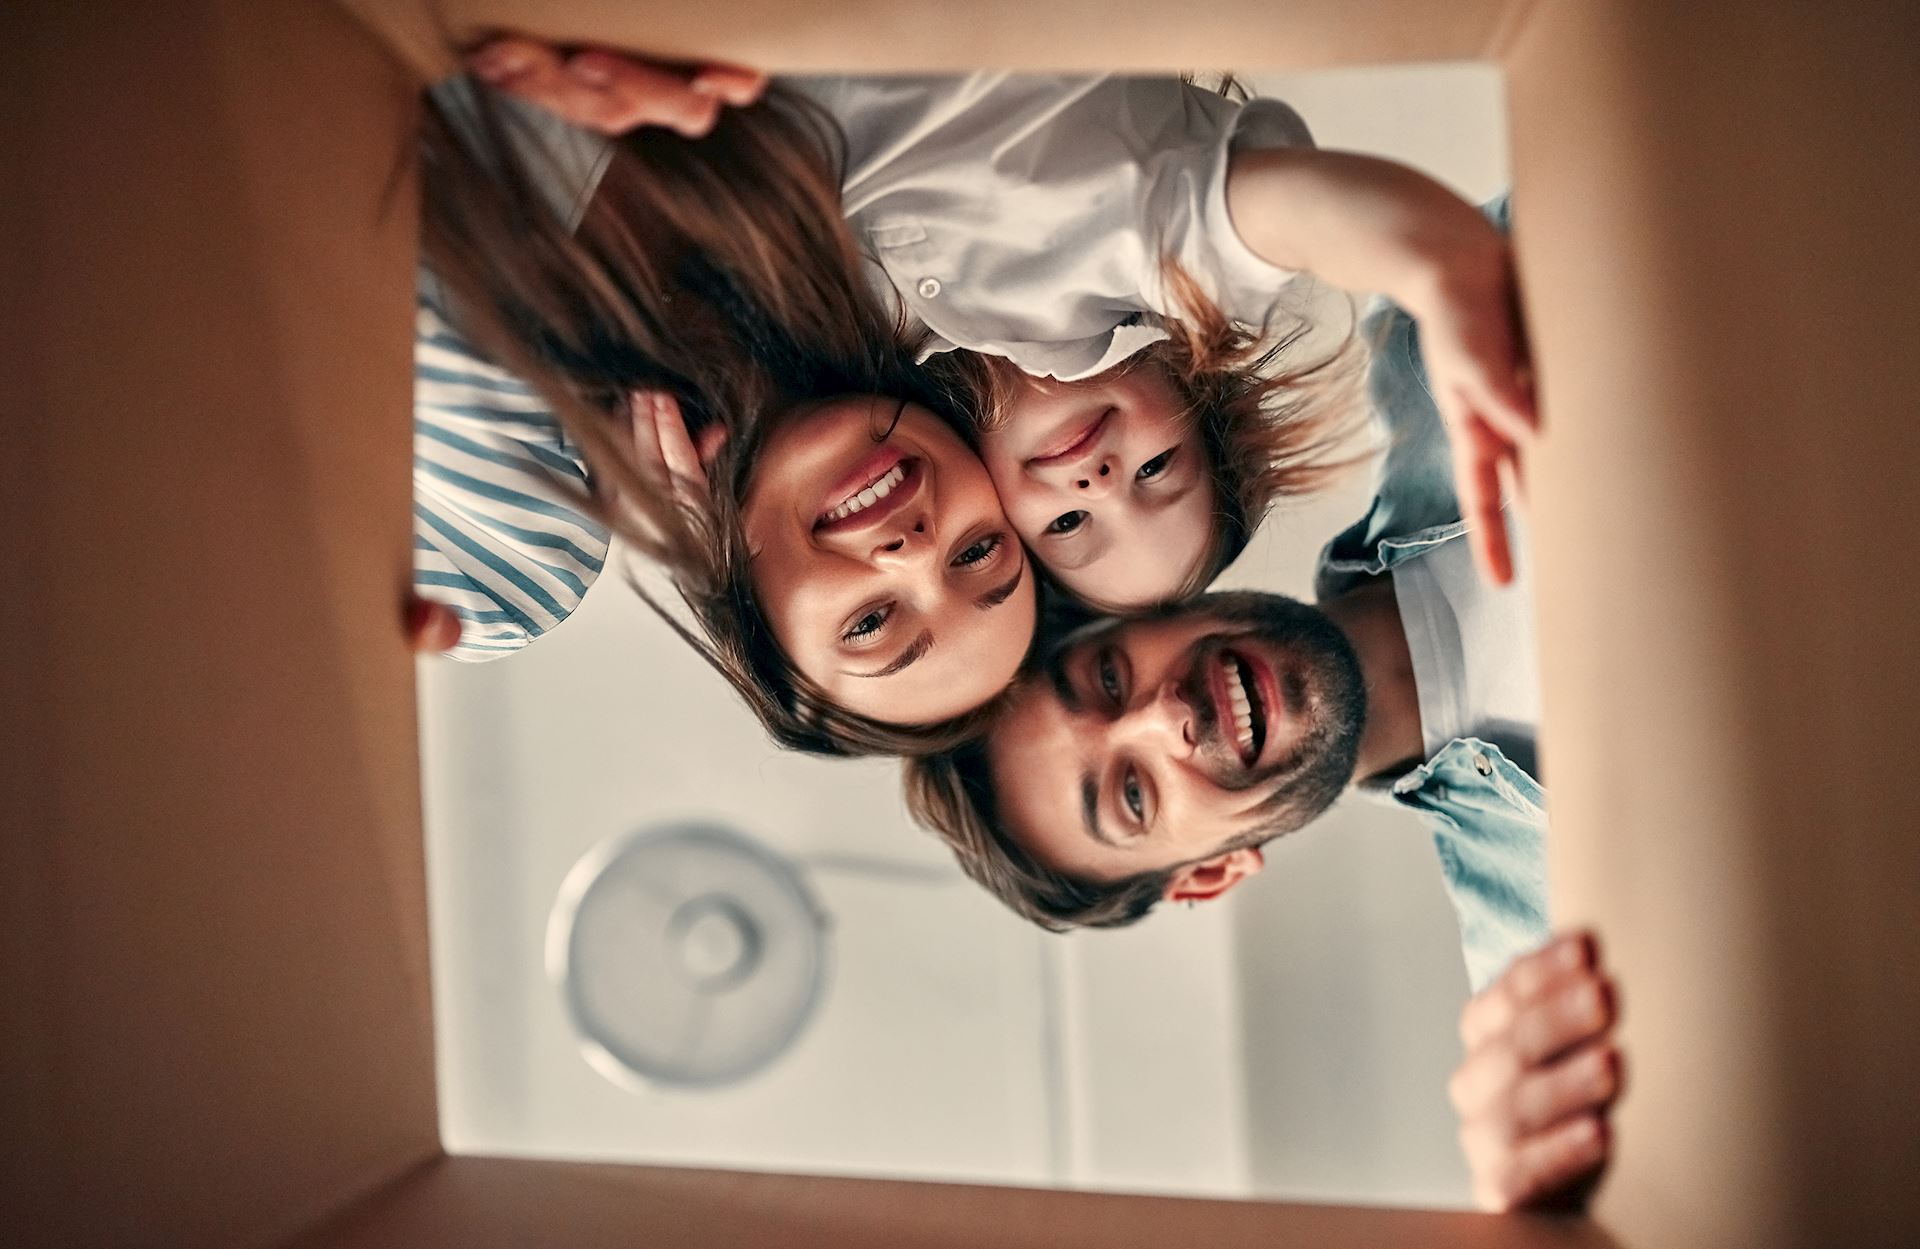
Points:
point(1367, 224)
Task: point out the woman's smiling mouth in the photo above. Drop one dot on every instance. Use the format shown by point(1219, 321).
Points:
point(887, 490)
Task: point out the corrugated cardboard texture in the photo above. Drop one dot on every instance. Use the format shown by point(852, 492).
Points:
point(216, 1012)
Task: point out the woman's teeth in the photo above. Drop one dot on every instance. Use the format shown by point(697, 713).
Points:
point(871, 494)
point(1242, 700)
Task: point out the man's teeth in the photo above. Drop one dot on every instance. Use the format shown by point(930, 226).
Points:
point(871, 494)
point(1242, 700)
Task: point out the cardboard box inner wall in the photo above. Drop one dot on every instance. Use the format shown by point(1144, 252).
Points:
point(216, 1013)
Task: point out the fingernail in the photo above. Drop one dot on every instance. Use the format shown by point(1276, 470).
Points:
point(705, 86)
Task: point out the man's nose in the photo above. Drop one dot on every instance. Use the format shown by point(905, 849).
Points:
point(1163, 722)
point(903, 544)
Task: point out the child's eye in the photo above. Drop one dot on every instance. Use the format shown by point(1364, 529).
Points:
point(1130, 790)
point(978, 552)
point(1067, 522)
point(1109, 677)
point(867, 625)
point(1157, 465)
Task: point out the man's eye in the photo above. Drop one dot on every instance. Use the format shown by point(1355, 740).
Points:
point(1067, 522)
point(1109, 678)
point(978, 552)
point(1157, 465)
point(867, 625)
point(1130, 791)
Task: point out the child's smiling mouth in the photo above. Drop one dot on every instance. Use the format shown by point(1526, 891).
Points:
point(1074, 443)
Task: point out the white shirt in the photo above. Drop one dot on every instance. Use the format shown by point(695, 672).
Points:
point(1026, 216)
point(1474, 659)
point(1019, 215)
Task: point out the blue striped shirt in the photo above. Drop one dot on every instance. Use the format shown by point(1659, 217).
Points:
point(499, 533)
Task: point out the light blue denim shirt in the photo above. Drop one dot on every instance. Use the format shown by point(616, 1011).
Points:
point(1486, 813)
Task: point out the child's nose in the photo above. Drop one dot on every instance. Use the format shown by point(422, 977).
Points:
point(1095, 480)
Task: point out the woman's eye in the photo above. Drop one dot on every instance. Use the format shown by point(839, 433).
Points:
point(1067, 522)
point(1130, 790)
point(1109, 678)
point(978, 552)
point(867, 625)
point(1157, 465)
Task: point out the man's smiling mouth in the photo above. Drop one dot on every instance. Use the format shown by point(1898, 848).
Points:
point(1246, 716)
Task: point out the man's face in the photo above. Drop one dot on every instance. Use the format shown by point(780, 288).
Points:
point(1147, 745)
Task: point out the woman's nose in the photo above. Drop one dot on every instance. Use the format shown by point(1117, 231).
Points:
point(904, 544)
point(1094, 480)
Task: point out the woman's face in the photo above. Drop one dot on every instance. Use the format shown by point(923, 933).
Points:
point(885, 566)
point(1107, 483)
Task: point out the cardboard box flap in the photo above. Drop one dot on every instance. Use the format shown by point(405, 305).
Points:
point(490, 1203)
point(215, 938)
point(922, 35)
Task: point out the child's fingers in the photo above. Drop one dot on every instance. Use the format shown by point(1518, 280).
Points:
point(1477, 453)
point(1506, 401)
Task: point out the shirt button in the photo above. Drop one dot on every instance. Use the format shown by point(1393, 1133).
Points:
point(1482, 765)
point(929, 287)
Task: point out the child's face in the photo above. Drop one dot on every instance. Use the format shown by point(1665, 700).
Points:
point(1107, 483)
point(885, 565)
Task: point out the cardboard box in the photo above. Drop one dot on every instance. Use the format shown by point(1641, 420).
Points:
point(216, 1009)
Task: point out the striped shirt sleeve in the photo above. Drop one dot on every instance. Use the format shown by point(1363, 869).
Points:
point(498, 530)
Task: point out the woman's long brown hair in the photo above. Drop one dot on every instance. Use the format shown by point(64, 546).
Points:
point(720, 270)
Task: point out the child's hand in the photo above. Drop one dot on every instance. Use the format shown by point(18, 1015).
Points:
point(1477, 365)
point(610, 92)
point(1540, 1078)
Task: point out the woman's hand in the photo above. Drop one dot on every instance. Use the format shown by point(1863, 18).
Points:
point(610, 92)
point(1540, 1078)
point(660, 434)
point(432, 628)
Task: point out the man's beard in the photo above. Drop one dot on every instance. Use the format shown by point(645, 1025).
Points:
point(1321, 681)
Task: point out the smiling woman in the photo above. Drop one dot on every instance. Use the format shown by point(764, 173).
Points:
point(846, 562)
point(884, 561)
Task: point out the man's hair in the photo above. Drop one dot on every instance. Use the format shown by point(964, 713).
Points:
point(952, 794)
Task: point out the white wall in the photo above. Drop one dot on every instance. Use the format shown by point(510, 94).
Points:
point(1293, 1041)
